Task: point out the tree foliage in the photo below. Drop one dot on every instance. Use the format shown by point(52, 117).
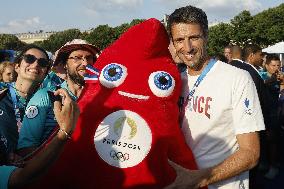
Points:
point(268, 26)
point(101, 36)
point(8, 41)
point(242, 28)
point(57, 40)
point(104, 35)
point(219, 36)
point(264, 29)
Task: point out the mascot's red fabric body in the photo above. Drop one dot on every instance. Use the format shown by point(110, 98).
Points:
point(128, 127)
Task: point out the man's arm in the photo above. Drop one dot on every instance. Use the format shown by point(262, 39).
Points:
point(41, 162)
point(245, 158)
point(242, 160)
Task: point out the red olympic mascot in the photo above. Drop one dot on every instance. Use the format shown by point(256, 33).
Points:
point(128, 127)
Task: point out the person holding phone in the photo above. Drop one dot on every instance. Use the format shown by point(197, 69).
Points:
point(12, 176)
point(31, 65)
point(274, 81)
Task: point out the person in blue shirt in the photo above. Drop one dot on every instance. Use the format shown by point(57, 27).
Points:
point(14, 177)
point(32, 65)
point(39, 121)
point(274, 80)
point(56, 76)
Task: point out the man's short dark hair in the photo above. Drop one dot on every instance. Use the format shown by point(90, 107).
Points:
point(187, 15)
point(251, 48)
point(271, 57)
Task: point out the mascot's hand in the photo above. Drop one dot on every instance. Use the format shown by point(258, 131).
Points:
point(66, 112)
point(188, 179)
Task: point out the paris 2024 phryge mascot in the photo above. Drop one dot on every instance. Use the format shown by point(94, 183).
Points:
point(128, 127)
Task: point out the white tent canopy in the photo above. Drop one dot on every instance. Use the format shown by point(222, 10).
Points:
point(276, 48)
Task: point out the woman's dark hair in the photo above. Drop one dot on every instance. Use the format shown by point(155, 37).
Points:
point(19, 57)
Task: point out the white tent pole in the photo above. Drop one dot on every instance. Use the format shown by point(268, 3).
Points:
point(281, 59)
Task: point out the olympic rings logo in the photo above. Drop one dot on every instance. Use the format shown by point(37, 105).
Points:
point(119, 156)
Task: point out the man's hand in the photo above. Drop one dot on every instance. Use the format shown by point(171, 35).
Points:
point(188, 179)
point(16, 160)
point(66, 113)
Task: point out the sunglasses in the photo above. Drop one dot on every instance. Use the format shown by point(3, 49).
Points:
point(42, 62)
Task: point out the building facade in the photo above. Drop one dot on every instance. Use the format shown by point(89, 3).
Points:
point(32, 37)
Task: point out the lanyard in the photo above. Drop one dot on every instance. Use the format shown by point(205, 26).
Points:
point(200, 78)
point(16, 105)
point(203, 74)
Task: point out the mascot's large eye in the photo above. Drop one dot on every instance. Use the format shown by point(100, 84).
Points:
point(113, 75)
point(161, 83)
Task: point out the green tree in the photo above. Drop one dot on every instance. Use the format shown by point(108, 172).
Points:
point(242, 29)
point(8, 41)
point(57, 40)
point(120, 30)
point(104, 35)
point(268, 26)
point(219, 36)
point(101, 36)
point(136, 21)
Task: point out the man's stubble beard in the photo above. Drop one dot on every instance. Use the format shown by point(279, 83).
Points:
point(199, 64)
point(77, 79)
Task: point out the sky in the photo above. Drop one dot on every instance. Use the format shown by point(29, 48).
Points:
point(21, 16)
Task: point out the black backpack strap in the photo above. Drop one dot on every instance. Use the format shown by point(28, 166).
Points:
point(3, 93)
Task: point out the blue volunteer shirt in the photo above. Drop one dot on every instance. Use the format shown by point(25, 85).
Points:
point(8, 130)
point(9, 125)
point(39, 120)
point(5, 172)
point(264, 75)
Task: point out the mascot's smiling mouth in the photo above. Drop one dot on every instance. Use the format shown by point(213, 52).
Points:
point(130, 95)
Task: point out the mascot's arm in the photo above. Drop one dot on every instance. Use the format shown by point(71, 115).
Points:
point(185, 165)
point(179, 152)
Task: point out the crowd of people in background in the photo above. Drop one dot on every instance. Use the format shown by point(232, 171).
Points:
point(26, 84)
point(266, 72)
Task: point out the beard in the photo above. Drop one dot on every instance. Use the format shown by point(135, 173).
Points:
point(199, 58)
point(76, 78)
point(198, 64)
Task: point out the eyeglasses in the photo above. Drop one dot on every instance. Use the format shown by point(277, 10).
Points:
point(81, 58)
point(42, 62)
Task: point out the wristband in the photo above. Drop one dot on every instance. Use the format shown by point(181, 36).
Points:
point(66, 134)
